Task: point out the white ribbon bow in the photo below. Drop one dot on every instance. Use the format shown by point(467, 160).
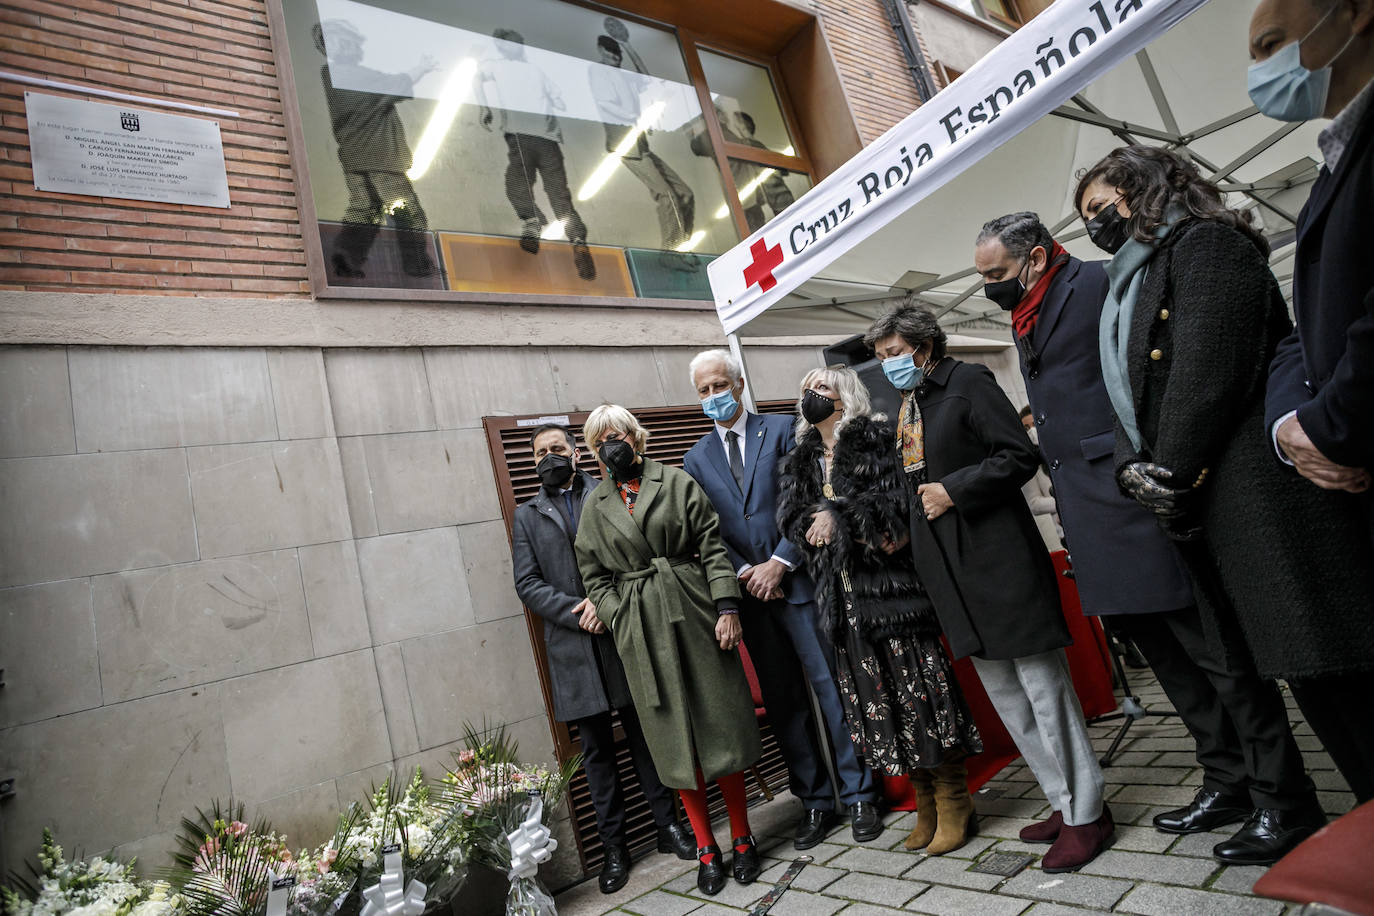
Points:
point(531, 845)
point(390, 896)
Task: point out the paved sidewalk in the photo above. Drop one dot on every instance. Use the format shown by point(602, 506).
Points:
point(1145, 872)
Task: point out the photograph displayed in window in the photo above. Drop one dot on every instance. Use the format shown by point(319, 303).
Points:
point(535, 146)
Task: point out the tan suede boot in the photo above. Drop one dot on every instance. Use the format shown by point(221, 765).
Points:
point(956, 820)
point(923, 782)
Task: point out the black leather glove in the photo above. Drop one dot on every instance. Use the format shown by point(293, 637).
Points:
point(1154, 488)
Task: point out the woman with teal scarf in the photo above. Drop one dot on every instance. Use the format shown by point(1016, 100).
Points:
point(1192, 318)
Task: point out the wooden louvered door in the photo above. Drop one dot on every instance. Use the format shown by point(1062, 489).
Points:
point(672, 431)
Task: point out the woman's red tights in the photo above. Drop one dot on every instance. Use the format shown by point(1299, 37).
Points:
point(694, 800)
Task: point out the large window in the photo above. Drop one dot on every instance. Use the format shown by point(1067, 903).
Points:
point(531, 146)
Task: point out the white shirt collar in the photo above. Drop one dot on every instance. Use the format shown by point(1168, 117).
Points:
point(738, 426)
point(1337, 135)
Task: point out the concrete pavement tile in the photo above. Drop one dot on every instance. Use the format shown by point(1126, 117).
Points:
point(875, 889)
point(824, 852)
point(1033, 808)
point(973, 848)
point(1080, 889)
point(1054, 909)
point(1200, 844)
point(1006, 827)
point(952, 901)
point(868, 909)
point(1336, 803)
point(875, 861)
point(1154, 795)
point(1238, 879)
point(1329, 780)
point(1143, 839)
point(733, 894)
point(1164, 869)
point(1152, 775)
point(939, 870)
point(659, 903)
point(1175, 759)
point(1158, 900)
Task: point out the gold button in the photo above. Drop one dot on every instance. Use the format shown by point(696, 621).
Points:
point(1163, 314)
point(1156, 354)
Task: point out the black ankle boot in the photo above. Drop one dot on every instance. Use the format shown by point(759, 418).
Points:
point(615, 871)
point(673, 840)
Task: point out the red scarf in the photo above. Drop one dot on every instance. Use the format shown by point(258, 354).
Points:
point(1023, 317)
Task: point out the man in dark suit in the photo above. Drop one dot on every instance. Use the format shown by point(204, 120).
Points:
point(736, 464)
point(586, 678)
point(1124, 565)
point(1320, 398)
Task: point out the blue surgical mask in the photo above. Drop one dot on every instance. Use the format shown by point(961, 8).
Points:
point(720, 406)
point(903, 372)
point(1282, 88)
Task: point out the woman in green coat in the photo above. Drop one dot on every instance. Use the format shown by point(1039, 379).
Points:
point(653, 563)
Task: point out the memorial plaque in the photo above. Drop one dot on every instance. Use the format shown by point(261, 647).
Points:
point(81, 147)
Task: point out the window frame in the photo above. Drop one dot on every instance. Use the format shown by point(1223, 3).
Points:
point(688, 42)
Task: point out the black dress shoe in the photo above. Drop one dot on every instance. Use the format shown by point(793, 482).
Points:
point(675, 841)
point(615, 870)
point(814, 826)
point(747, 865)
point(1269, 835)
point(1208, 811)
point(710, 875)
point(865, 820)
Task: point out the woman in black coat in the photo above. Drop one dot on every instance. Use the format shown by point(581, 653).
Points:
point(1190, 325)
point(964, 456)
point(904, 708)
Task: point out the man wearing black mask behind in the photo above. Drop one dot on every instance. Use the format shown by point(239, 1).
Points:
point(587, 681)
point(1124, 566)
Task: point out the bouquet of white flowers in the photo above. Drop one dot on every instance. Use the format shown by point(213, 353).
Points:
point(90, 887)
point(431, 839)
point(506, 805)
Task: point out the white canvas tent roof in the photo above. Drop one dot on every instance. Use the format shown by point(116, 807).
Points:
point(1186, 89)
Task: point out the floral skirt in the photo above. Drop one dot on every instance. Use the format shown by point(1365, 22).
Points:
point(904, 708)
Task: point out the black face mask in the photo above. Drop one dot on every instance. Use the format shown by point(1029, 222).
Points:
point(555, 471)
point(619, 458)
point(1006, 294)
point(816, 407)
point(1109, 229)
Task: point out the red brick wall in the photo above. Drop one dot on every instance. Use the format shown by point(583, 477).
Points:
point(210, 52)
point(218, 53)
point(870, 62)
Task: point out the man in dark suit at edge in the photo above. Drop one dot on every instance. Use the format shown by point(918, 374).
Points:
point(587, 681)
point(736, 464)
point(1125, 567)
point(1315, 59)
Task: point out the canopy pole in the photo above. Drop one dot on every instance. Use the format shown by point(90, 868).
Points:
point(737, 352)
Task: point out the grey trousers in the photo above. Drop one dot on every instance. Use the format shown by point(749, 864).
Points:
point(1034, 697)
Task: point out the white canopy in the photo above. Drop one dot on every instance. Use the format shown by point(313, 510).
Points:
point(1182, 87)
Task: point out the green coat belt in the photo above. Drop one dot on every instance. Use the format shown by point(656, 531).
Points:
point(655, 577)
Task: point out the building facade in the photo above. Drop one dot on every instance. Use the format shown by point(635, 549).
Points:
point(252, 540)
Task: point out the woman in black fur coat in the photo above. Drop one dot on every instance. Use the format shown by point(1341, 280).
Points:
point(905, 710)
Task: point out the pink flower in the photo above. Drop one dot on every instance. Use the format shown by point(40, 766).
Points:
point(466, 757)
point(237, 828)
point(327, 860)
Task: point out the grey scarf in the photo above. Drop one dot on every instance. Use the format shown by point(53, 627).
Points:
point(1125, 275)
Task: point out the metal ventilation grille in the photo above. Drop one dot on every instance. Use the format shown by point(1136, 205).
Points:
point(672, 431)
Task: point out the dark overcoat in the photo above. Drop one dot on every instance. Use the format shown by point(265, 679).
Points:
point(747, 519)
point(983, 562)
point(1325, 369)
point(1122, 562)
point(655, 577)
point(1292, 564)
point(585, 674)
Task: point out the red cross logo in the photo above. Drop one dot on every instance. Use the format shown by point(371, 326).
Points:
point(761, 271)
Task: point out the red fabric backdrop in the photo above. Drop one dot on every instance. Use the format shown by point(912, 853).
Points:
point(1089, 662)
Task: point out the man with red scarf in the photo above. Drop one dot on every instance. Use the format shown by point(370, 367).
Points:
point(1125, 568)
